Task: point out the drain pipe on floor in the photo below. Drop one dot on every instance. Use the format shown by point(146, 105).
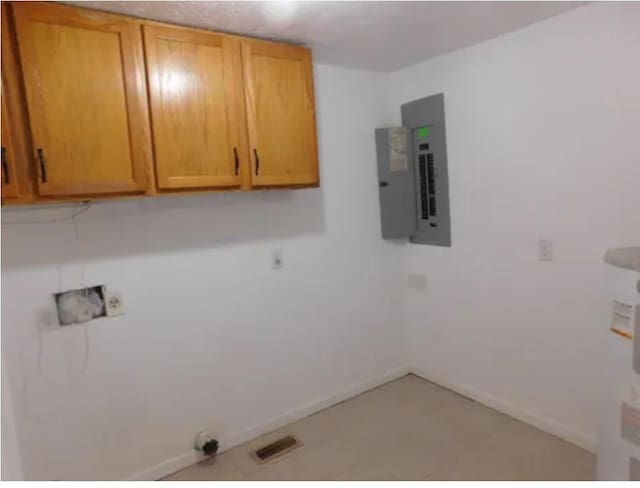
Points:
point(206, 444)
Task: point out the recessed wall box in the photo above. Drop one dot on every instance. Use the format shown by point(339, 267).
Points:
point(79, 306)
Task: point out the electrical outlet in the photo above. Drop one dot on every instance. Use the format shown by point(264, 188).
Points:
point(114, 304)
point(545, 250)
point(277, 259)
point(417, 281)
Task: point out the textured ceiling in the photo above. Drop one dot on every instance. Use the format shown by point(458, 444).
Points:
point(380, 36)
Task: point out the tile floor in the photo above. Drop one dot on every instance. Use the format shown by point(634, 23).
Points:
point(408, 429)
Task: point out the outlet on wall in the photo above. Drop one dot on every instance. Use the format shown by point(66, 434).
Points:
point(113, 303)
point(545, 250)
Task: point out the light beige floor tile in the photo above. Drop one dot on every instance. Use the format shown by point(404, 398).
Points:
point(318, 462)
point(417, 391)
point(406, 429)
point(246, 463)
point(411, 445)
point(547, 457)
point(352, 414)
point(365, 472)
point(473, 419)
point(221, 468)
point(520, 452)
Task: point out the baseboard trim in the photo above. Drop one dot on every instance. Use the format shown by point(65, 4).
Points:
point(234, 439)
point(541, 422)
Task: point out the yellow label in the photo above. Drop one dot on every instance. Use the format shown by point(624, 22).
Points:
point(621, 319)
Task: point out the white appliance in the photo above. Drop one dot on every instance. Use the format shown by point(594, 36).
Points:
point(618, 451)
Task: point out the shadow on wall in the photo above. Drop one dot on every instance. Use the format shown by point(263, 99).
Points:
point(157, 225)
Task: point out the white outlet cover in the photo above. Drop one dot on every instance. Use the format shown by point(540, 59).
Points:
point(114, 303)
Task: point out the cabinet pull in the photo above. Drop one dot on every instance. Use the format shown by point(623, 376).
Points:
point(255, 153)
point(5, 166)
point(237, 161)
point(43, 165)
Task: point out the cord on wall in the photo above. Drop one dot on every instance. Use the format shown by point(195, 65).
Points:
point(79, 210)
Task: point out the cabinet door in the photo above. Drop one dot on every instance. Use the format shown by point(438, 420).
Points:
point(280, 114)
point(9, 184)
point(194, 86)
point(85, 87)
point(17, 176)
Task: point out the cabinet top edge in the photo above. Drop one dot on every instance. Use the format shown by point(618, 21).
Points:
point(147, 21)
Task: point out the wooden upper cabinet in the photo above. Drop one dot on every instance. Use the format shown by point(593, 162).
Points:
point(17, 176)
point(103, 105)
point(9, 177)
point(85, 89)
point(195, 88)
point(280, 114)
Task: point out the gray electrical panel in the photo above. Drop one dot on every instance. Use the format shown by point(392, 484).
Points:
point(414, 191)
point(396, 182)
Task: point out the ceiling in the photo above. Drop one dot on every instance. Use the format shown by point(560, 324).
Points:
point(381, 36)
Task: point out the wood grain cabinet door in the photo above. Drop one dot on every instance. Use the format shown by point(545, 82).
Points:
point(195, 88)
point(85, 88)
point(280, 114)
point(9, 183)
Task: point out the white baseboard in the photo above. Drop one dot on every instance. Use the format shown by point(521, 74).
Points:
point(580, 439)
point(234, 439)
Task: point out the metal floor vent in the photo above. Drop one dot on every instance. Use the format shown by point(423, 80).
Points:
point(275, 449)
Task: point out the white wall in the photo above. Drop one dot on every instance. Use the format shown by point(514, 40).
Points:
point(542, 139)
point(11, 460)
point(213, 338)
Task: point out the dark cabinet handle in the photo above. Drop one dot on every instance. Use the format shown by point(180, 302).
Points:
point(43, 165)
point(5, 166)
point(255, 153)
point(237, 161)
point(382, 184)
